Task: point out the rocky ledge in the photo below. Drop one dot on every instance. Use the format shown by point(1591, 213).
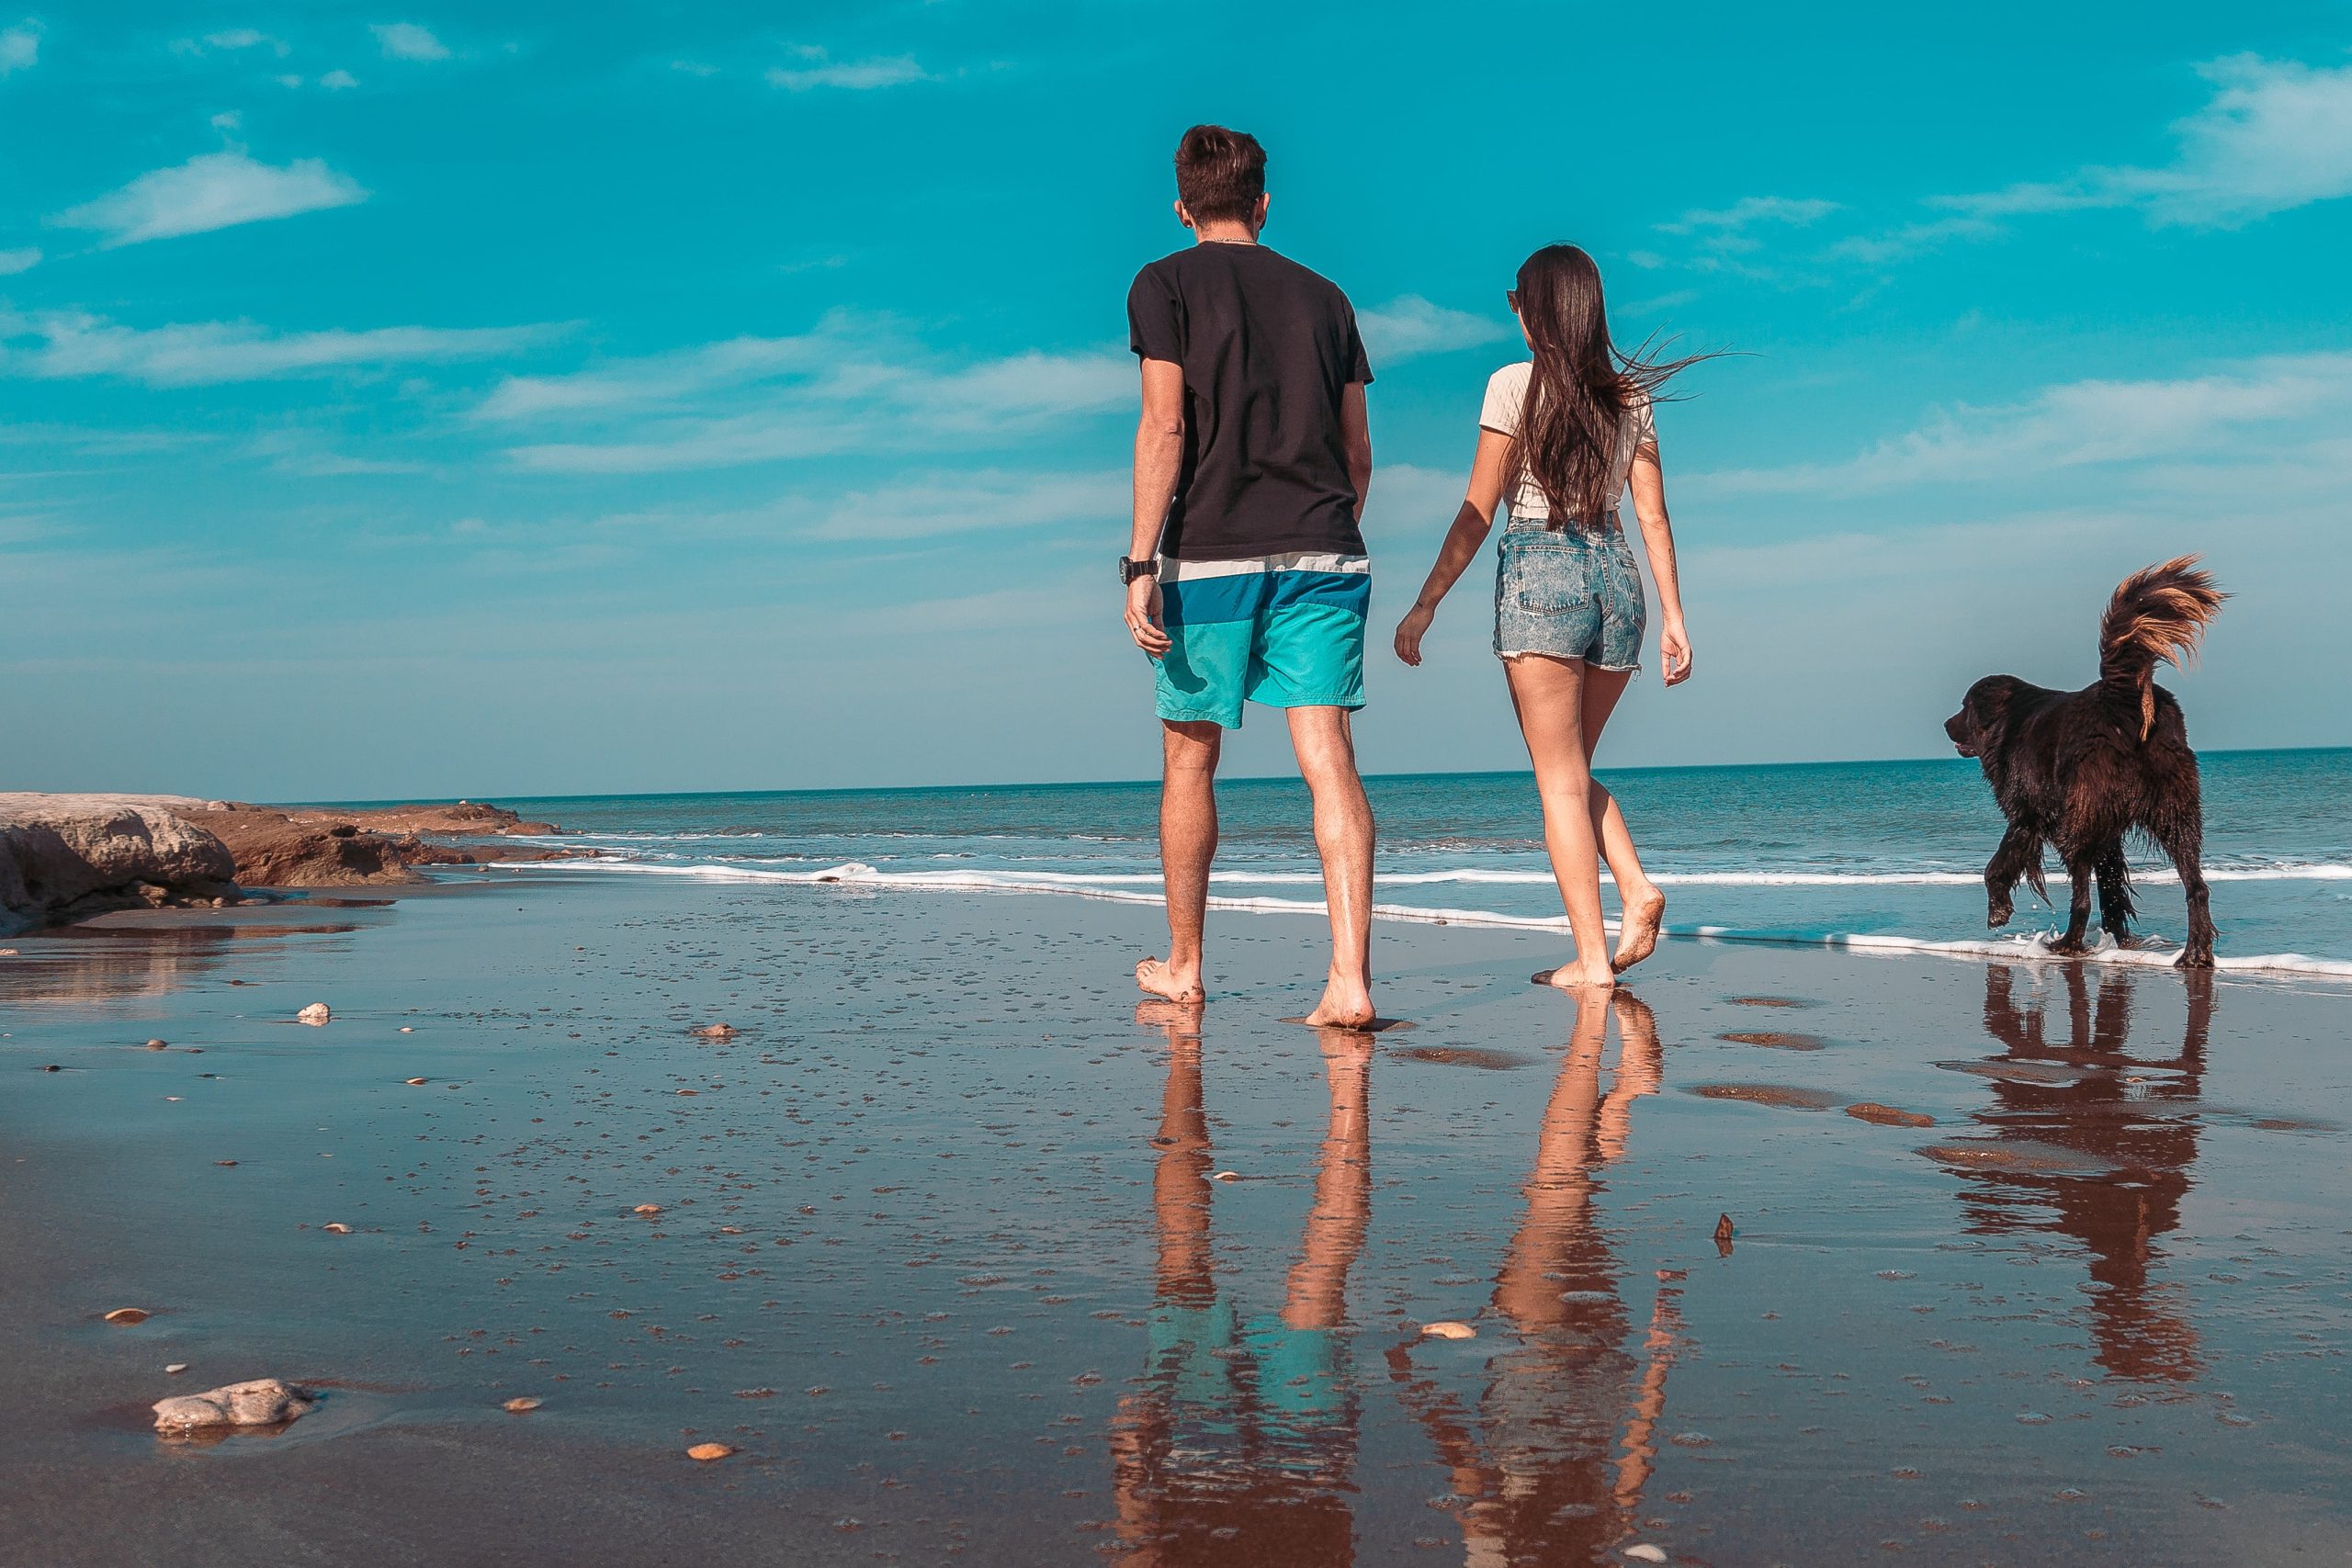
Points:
point(66, 856)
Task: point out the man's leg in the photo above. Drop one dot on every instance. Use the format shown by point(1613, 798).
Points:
point(1326, 759)
point(1187, 845)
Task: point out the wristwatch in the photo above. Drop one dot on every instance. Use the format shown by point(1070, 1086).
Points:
point(1131, 569)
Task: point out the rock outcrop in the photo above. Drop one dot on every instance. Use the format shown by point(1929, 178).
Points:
point(306, 847)
point(64, 856)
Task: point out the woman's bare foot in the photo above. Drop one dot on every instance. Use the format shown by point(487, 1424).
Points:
point(1638, 932)
point(1577, 978)
point(1346, 1004)
point(1168, 983)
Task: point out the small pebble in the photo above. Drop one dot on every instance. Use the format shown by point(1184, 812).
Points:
point(1646, 1553)
point(1227, 1176)
point(1449, 1329)
point(175, 1369)
point(158, 1044)
point(413, 1082)
point(707, 1451)
point(406, 1029)
point(517, 1406)
point(315, 1014)
point(646, 1209)
point(128, 1315)
point(337, 1227)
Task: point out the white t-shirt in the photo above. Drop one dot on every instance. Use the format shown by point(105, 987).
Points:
point(1507, 399)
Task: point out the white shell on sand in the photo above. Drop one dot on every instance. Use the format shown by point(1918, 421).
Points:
point(707, 1451)
point(1646, 1553)
point(1449, 1329)
point(264, 1401)
point(315, 1014)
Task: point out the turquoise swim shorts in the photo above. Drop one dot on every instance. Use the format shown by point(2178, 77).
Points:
point(1284, 630)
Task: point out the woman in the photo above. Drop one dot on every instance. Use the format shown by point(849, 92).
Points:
point(1563, 433)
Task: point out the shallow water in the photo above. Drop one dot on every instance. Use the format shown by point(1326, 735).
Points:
point(972, 1263)
point(1884, 854)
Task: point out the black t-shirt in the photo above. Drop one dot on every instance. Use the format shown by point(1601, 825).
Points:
point(1268, 350)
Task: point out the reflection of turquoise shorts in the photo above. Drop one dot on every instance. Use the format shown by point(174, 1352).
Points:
point(1284, 630)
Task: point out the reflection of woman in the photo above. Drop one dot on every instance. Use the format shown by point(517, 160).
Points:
point(2138, 1327)
point(1238, 1449)
point(1552, 1467)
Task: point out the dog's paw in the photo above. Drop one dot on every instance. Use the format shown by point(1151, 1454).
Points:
point(1996, 915)
point(2195, 958)
point(2064, 949)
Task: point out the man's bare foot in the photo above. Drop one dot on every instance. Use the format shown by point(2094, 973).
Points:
point(1577, 978)
point(1346, 1004)
point(1168, 983)
point(1638, 932)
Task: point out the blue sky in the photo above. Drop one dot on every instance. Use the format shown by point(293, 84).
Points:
point(546, 399)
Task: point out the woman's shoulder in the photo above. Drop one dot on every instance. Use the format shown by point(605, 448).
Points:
point(1512, 375)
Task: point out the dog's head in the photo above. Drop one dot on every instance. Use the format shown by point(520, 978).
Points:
point(1983, 715)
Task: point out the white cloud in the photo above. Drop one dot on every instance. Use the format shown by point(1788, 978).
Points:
point(231, 40)
point(1910, 240)
point(853, 383)
point(1795, 211)
point(2277, 134)
point(212, 190)
point(853, 76)
point(15, 262)
point(664, 380)
point(1409, 325)
point(336, 80)
point(407, 41)
point(19, 47)
point(960, 502)
point(67, 344)
point(2208, 419)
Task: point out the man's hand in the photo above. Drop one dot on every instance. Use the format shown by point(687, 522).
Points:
point(1143, 617)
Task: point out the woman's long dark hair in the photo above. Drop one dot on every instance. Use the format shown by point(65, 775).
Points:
point(1581, 389)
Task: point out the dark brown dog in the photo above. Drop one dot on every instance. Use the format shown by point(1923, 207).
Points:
point(2079, 770)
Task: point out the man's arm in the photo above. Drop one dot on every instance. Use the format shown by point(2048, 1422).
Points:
point(1355, 428)
point(1159, 456)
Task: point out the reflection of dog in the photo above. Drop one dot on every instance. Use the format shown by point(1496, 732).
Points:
point(2079, 770)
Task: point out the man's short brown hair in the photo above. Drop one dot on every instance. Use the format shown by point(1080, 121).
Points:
point(1220, 174)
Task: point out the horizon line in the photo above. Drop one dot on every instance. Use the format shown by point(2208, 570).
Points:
point(1247, 778)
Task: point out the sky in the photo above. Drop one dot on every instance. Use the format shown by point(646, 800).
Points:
point(546, 400)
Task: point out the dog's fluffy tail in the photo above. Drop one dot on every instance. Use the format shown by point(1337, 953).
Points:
point(2161, 612)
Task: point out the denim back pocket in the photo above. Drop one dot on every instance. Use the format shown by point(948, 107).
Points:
point(1547, 577)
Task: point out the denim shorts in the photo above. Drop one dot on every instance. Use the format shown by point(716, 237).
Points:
point(1573, 593)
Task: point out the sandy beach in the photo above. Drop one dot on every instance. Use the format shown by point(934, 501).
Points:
point(967, 1262)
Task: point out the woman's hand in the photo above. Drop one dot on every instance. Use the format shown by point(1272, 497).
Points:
point(1674, 653)
point(1410, 630)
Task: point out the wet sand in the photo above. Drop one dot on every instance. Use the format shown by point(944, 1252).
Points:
point(971, 1263)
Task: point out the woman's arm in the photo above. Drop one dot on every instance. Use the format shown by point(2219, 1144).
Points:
point(1462, 541)
point(1648, 484)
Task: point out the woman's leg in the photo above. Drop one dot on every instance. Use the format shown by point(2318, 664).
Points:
point(1645, 905)
point(1549, 694)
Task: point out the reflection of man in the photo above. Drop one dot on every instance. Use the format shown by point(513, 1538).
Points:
point(1534, 1467)
point(1239, 1447)
point(2147, 1154)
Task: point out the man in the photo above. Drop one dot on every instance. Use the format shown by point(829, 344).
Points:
point(1247, 577)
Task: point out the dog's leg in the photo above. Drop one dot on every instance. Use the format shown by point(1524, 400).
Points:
point(2078, 913)
point(2020, 849)
point(2186, 849)
point(2115, 907)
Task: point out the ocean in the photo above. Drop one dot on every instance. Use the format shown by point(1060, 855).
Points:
point(1867, 855)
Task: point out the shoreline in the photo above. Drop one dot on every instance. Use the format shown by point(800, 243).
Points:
point(938, 1249)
